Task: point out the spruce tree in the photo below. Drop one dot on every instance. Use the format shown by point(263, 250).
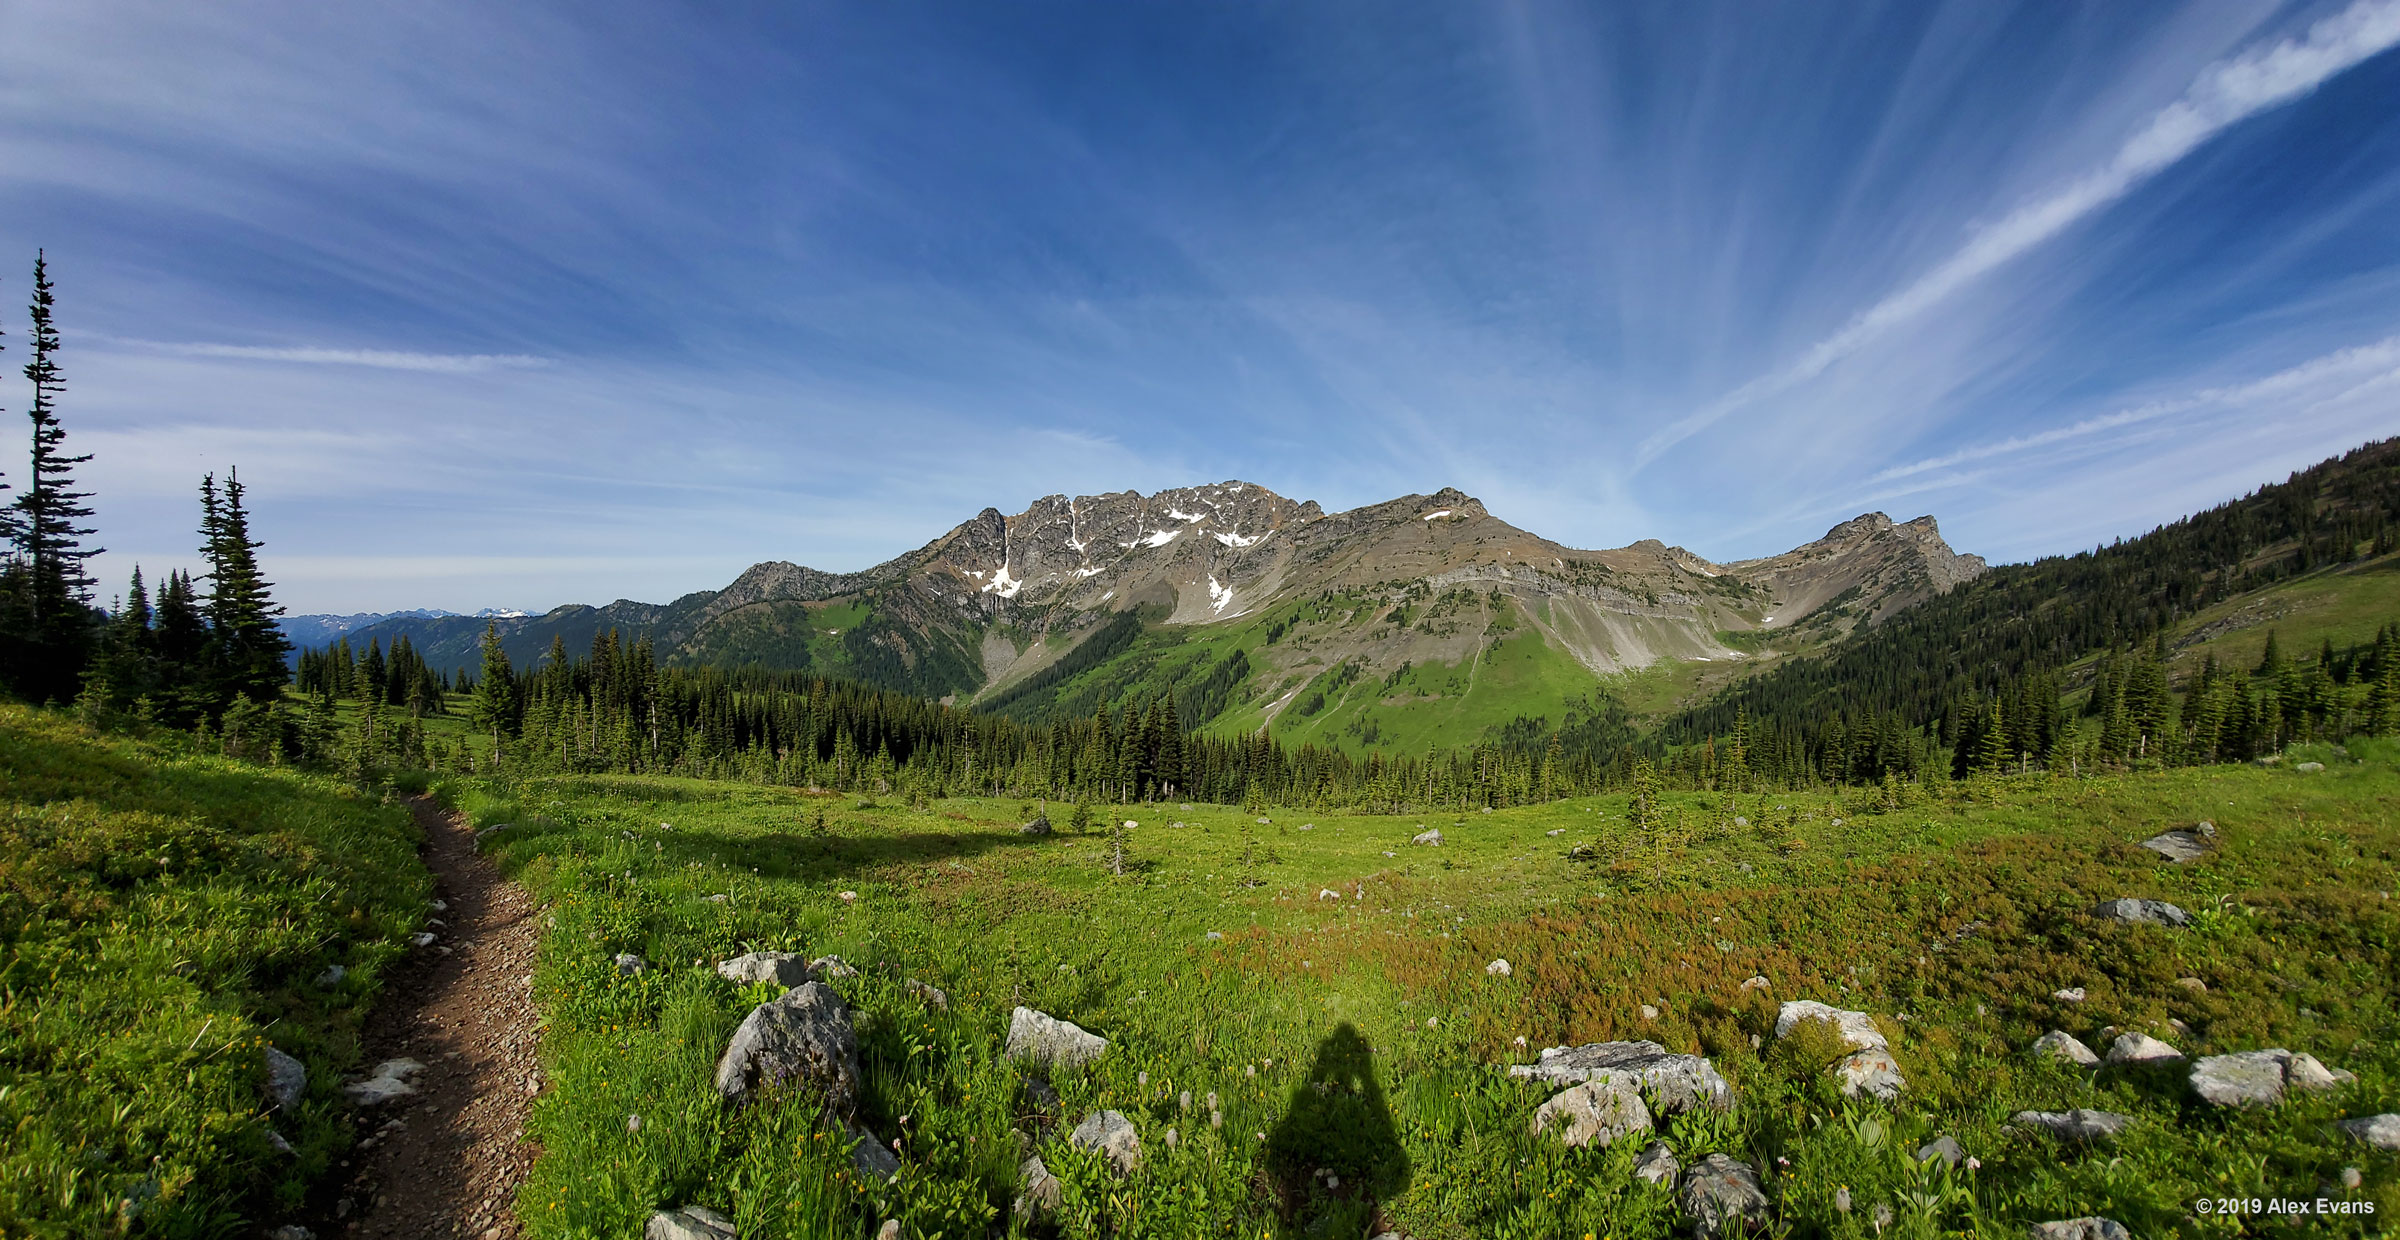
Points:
point(494, 708)
point(53, 591)
point(249, 650)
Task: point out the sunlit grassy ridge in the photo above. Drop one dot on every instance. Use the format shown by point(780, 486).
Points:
point(1954, 917)
point(164, 917)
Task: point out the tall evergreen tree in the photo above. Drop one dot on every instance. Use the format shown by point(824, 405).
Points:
point(249, 649)
point(52, 592)
point(494, 707)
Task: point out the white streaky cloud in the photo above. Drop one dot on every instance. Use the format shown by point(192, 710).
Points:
point(380, 359)
point(2224, 93)
point(2364, 364)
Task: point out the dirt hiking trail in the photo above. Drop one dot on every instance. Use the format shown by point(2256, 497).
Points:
point(451, 1163)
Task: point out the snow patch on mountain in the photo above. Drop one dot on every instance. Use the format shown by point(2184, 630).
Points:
point(1433, 516)
point(1161, 538)
point(1236, 540)
point(1218, 596)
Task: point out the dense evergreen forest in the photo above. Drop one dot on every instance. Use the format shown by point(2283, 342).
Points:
point(1975, 678)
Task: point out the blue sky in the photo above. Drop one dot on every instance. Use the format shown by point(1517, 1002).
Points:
point(526, 304)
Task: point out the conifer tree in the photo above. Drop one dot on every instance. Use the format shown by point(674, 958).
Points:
point(494, 709)
point(126, 663)
point(248, 649)
point(52, 591)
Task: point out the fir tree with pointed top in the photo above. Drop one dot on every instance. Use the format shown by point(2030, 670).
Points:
point(52, 592)
point(248, 649)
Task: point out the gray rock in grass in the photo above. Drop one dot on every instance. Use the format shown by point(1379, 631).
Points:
point(1049, 1041)
point(1871, 1072)
point(932, 995)
point(1657, 1164)
point(1722, 1195)
point(1597, 1112)
point(2075, 1125)
point(2377, 1131)
point(1112, 1134)
point(1944, 1147)
point(1857, 1029)
point(2130, 1047)
point(2258, 1078)
point(1675, 1082)
point(805, 1034)
point(1041, 1195)
point(630, 965)
point(2088, 1228)
point(2142, 912)
point(872, 1156)
point(2178, 846)
point(1431, 839)
point(287, 1079)
point(781, 968)
point(689, 1223)
point(2060, 1045)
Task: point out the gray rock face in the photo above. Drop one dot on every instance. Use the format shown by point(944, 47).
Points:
point(1871, 1072)
point(2378, 1131)
point(2258, 1078)
point(1722, 1195)
point(1857, 1028)
point(2075, 1125)
point(1049, 1041)
point(2089, 1228)
point(1431, 838)
point(872, 1156)
point(390, 1080)
point(1112, 1134)
point(287, 1079)
point(1596, 1112)
point(1042, 1195)
point(1657, 1164)
point(804, 1034)
point(2141, 1048)
point(689, 1223)
point(1039, 826)
point(781, 968)
point(2144, 912)
point(2178, 846)
point(1675, 1082)
point(2064, 1047)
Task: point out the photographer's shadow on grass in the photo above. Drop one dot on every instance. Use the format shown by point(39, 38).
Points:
point(1335, 1157)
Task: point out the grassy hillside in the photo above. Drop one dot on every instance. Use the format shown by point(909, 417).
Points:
point(1346, 1023)
point(165, 919)
point(2344, 605)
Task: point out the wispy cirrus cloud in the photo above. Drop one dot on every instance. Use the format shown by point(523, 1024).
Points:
point(377, 359)
point(2224, 93)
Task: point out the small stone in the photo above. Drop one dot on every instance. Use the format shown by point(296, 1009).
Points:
point(332, 976)
point(2064, 1047)
point(2309, 768)
point(2072, 994)
point(2178, 846)
point(1596, 1112)
point(1722, 1195)
point(782, 968)
point(1657, 1165)
point(1431, 839)
point(873, 1158)
point(2378, 1131)
point(1049, 1041)
point(1857, 1029)
point(932, 995)
point(1649, 1012)
point(629, 964)
point(1872, 1072)
point(804, 1033)
point(1041, 1195)
point(2133, 1047)
point(287, 1079)
point(1755, 983)
point(1113, 1135)
point(2090, 1228)
point(2075, 1125)
point(422, 939)
point(1556, 831)
point(1499, 968)
point(831, 966)
point(291, 1231)
point(2193, 984)
point(389, 1081)
point(689, 1223)
point(1943, 1147)
point(2148, 912)
point(889, 1231)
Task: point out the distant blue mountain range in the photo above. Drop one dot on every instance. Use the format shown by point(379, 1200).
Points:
point(307, 631)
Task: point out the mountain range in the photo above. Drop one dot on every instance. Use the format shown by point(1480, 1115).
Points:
point(1421, 620)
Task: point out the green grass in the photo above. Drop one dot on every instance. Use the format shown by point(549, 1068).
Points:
point(1363, 1032)
point(164, 918)
point(2343, 605)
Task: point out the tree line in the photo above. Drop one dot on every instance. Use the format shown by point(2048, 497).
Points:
point(184, 656)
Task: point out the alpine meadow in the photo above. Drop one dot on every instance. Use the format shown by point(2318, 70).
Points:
point(1191, 860)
